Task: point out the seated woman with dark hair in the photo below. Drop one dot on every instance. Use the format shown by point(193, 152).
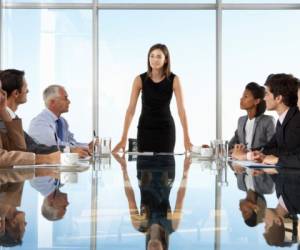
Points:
point(254, 129)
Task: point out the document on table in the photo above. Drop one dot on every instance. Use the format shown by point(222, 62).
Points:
point(152, 153)
point(141, 153)
point(252, 164)
point(37, 166)
point(79, 164)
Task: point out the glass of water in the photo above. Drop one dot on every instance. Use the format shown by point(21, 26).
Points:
point(220, 149)
point(105, 147)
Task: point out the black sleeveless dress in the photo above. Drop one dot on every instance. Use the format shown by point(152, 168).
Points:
point(156, 127)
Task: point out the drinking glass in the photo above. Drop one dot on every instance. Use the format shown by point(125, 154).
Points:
point(105, 147)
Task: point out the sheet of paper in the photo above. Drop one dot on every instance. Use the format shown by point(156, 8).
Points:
point(252, 164)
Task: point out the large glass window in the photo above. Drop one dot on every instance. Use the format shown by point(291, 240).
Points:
point(260, 43)
point(52, 47)
point(126, 36)
point(48, 1)
point(261, 1)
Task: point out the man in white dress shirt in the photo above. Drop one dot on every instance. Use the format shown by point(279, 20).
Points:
point(50, 128)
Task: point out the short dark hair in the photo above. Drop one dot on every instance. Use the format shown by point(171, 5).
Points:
point(8, 241)
point(275, 235)
point(285, 85)
point(258, 92)
point(258, 215)
point(12, 79)
point(252, 221)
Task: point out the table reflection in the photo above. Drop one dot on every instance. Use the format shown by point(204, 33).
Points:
point(281, 223)
point(155, 202)
point(12, 222)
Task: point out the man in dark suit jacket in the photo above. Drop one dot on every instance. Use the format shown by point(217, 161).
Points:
point(281, 95)
point(287, 186)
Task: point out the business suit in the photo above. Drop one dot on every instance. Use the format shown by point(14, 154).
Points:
point(285, 144)
point(11, 193)
point(16, 175)
point(263, 130)
point(12, 144)
point(38, 148)
point(287, 185)
point(263, 184)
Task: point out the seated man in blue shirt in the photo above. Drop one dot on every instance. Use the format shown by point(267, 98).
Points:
point(50, 128)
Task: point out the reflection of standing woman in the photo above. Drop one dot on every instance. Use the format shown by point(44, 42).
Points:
point(155, 217)
point(156, 128)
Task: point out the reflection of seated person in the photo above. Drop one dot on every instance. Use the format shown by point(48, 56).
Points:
point(50, 128)
point(287, 185)
point(55, 202)
point(12, 222)
point(254, 204)
point(155, 218)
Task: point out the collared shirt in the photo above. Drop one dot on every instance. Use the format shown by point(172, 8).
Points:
point(248, 178)
point(43, 129)
point(11, 113)
point(282, 204)
point(45, 185)
point(282, 116)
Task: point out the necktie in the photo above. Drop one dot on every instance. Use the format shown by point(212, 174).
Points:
point(59, 129)
point(278, 125)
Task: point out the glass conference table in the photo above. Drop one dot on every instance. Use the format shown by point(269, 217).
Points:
point(121, 203)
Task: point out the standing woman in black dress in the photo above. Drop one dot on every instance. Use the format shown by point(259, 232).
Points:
point(156, 128)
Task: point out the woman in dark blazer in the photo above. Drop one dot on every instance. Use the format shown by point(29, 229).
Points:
point(254, 129)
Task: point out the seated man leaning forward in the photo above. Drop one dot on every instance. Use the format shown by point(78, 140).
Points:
point(50, 128)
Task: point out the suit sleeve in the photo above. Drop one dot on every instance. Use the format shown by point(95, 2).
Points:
point(292, 158)
point(11, 144)
point(15, 135)
point(38, 148)
point(271, 148)
point(270, 128)
point(234, 140)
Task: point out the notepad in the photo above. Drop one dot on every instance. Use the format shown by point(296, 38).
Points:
point(252, 164)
